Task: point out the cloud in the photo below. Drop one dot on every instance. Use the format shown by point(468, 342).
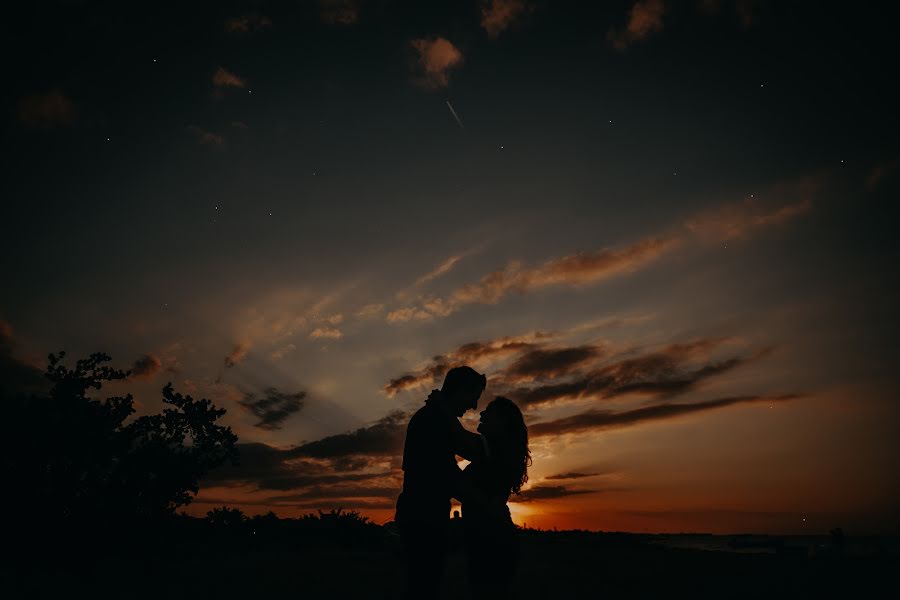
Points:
point(46, 111)
point(725, 222)
point(644, 19)
point(402, 315)
point(268, 467)
point(497, 15)
point(547, 492)
point(383, 438)
point(441, 269)
point(571, 475)
point(238, 354)
point(436, 57)
point(598, 420)
point(206, 137)
point(247, 23)
point(369, 310)
point(273, 407)
point(735, 221)
point(328, 333)
point(145, 367)
point(283, 351)
point(578, 269)
point(663, 373)
point(541, 363)
point(472, 353)
point(223, 78)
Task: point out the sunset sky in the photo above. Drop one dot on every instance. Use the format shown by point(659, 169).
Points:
point(667, 230)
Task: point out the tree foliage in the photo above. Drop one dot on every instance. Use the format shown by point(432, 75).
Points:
point(73, 457)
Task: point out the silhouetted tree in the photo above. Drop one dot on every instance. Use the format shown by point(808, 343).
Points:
point(226, 517)
point(72, 458)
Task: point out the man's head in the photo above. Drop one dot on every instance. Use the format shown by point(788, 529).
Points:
point(462, 388)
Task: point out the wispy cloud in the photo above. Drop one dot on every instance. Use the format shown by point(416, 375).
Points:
point(572, 270)
point(206, 138)
point(223, 78)
point(439, 270)
point(571, 475)
point(327, 333)
point(369, 311)
point(741, 219)
point(644, 19)
point(437, 56)
point(497, 15)
point(548, 492)
point(738, 220)
point(597, 420)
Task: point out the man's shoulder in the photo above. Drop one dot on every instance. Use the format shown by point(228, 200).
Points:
point(430, 416)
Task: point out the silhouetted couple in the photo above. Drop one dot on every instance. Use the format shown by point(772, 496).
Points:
point(499, 463)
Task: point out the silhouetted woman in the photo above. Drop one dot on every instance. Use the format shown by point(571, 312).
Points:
point(491, 538)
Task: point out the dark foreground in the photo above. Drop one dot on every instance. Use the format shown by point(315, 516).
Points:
point(365, 562)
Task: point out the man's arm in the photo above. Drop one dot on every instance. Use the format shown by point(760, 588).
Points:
point(471, 446)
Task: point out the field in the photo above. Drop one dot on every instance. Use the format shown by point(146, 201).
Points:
point(367, 563)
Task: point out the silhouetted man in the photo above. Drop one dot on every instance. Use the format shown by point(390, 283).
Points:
point(434, 437)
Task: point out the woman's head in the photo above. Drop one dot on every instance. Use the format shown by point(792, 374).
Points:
point(504, 427)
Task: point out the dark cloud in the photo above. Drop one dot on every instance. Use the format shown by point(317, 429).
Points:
point(269, 468)
point(145, 367)
point(472, 352)
point(547, 492)
point(348, 504)
point(596, 420)
point(383, 438)
point(541, 363)
point(272, 407)
point(571, 475)
point(342, 491)
point(663, 373)
point(45, 111)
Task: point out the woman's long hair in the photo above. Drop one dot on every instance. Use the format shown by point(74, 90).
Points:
point(512, 453)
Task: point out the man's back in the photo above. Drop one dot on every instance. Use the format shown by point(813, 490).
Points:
point(429, 467)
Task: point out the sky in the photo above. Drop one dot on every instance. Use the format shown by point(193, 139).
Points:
point(667, 230)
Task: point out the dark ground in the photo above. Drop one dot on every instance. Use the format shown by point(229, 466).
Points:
point(328, 565)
